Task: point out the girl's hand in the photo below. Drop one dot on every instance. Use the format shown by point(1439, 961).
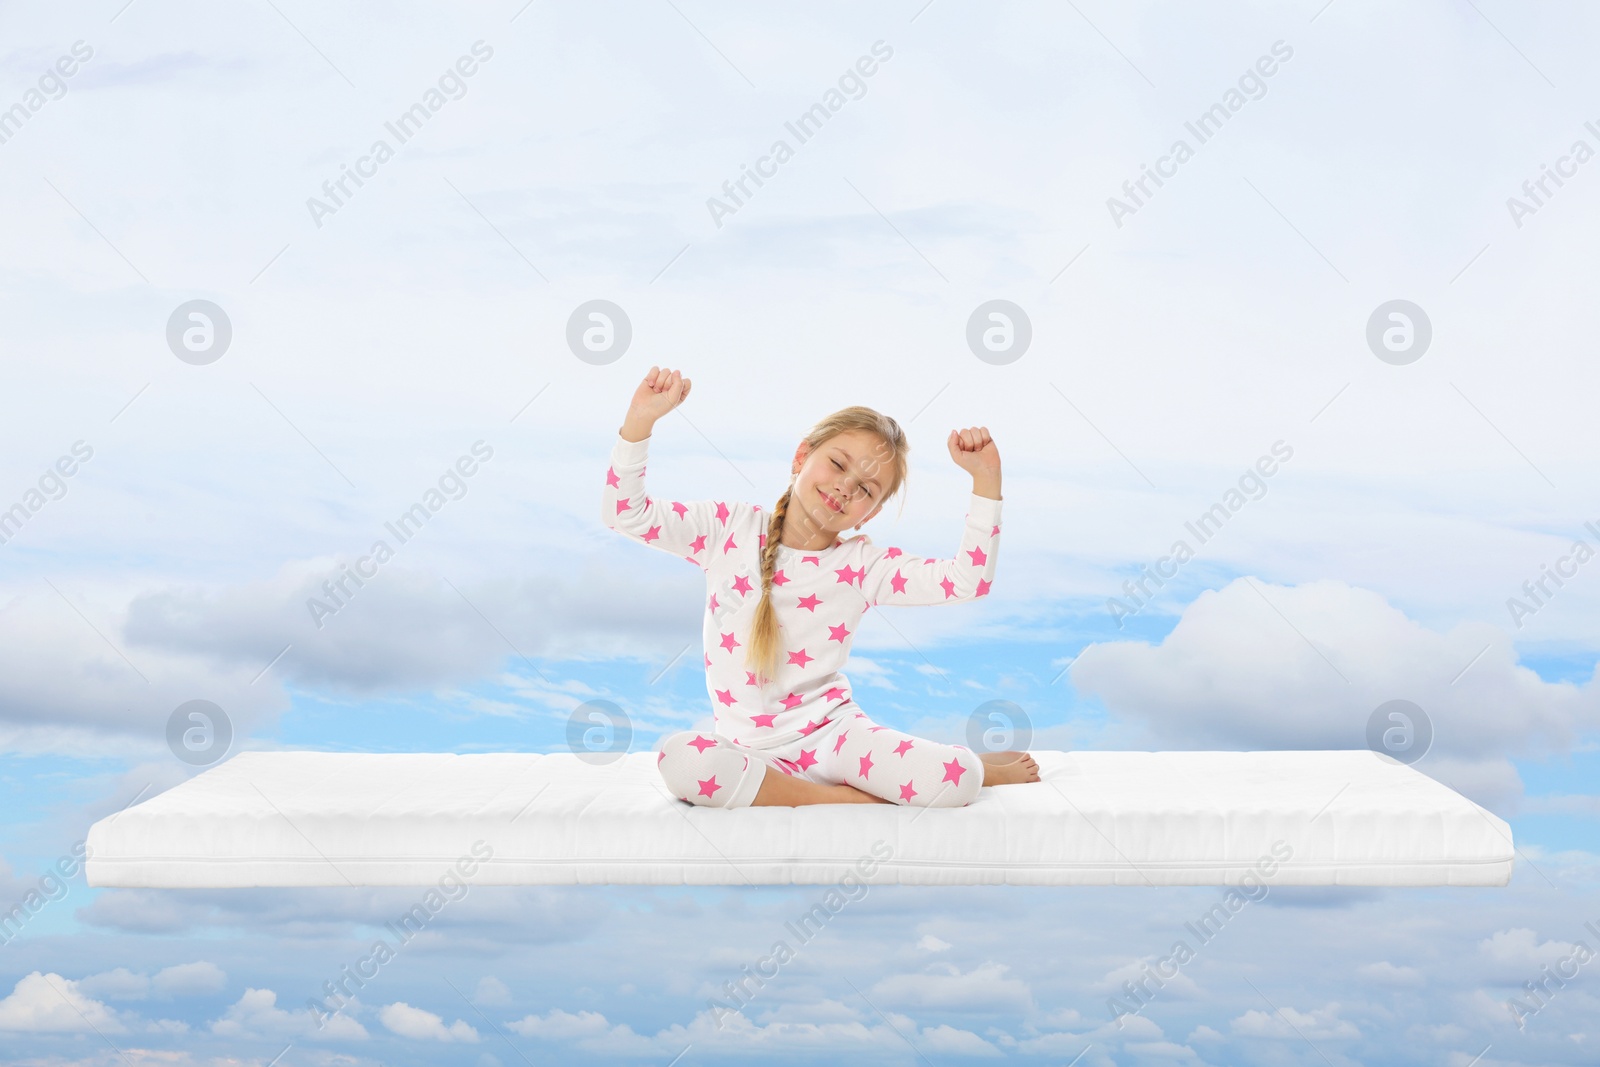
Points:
point(974, 452)
point(660, 392)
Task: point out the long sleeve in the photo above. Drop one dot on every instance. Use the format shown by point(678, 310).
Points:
point(894, 578)
point(688, 529)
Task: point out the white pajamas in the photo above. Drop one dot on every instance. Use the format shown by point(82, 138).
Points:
point(802, 721)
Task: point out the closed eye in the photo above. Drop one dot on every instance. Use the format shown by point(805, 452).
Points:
point(864, 486)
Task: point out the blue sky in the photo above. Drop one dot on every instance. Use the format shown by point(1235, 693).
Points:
point(1178, 336)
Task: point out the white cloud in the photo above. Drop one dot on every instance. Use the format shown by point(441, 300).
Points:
point(1319, 1023)
point(1385, 973)
point(401, 1018)
point(1257, 665)
point(987, 987)
point(559, 1025)
point(1521, 948)
point(178, 980)
point(118, 984)
point(183, 979)
point(50, 1003)
point(256, 1015)
point(1148, 973)
point(929, 943)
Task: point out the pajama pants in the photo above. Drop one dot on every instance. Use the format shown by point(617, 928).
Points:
point(716, 771)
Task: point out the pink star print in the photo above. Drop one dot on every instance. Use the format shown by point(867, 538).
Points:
point(700, 744)
point(875, 729)
point(866, 764)
point(779, 578)
point(729, 641)
point(800, 658)
point(763, 720)
point(811, 559)
point(791, 702)
point(811, 727)
point(713, 602)
point(983, 587)
point(953, 772)
point(834, 694)
point(749, 677)
point(725, 696)
point(741, 584)
point(809, 602)
point(899, 582)
point(848, 575)
point(623, 505)
point(892, 553)
point(838, 633)
point(698, 543)
point(837, 745)
point(902, 748)
point(681, 509)
point(653, 533)
point(611, 478)
point(949, 588)
point(808, 756)
point(728, 544)
point(994, 532)
point(709, 786)
point(763, 541)
point(660, 756)
point(722, 512)
point(906, 792)
point(708, 661)
point(978, 558)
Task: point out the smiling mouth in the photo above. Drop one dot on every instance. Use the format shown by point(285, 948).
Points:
point(829, 499)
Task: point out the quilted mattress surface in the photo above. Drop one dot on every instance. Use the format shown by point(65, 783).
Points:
point(1098, 818)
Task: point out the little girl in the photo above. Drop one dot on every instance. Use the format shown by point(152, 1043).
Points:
point(785, 596)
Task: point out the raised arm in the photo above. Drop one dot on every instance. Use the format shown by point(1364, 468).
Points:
point(893, 577)
point(688, 529)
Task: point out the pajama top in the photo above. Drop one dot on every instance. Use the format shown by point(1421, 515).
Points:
point(820, 596)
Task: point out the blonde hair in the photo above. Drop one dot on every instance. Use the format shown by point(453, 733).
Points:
point(762, 651)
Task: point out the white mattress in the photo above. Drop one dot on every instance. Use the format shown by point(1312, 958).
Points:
point(1098, 818)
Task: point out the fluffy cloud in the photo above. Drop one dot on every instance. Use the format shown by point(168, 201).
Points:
point(179, 980)
point(401, 1018)
point(987, 987)
point(51, 1003)
point(1255, 665)
point(1318, 1024)
point(256, 1016)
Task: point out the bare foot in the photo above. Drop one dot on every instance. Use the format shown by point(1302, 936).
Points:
point(785, 790)
point(1008, 768)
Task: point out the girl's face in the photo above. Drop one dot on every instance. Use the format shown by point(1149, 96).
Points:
point(841, 483)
